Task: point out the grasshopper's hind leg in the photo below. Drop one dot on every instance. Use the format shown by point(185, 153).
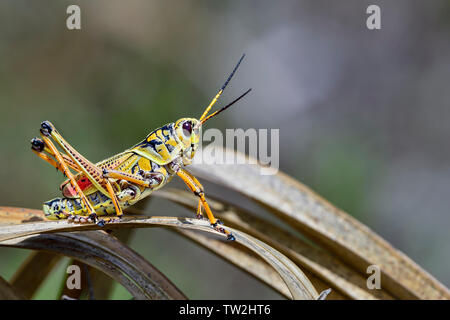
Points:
point(91, 171)
point(39, 146)
point(96, 175)
point(43, 152)
point(62, 162)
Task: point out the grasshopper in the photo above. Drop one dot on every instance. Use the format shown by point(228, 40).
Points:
point(109, 186)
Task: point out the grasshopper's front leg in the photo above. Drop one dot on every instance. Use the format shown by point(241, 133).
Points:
point(195, 186)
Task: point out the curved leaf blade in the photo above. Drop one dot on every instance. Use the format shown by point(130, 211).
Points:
point(332, 228)
point(321, 264)
point(298, 284)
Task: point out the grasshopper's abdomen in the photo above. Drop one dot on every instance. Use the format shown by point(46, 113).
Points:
point(58, 208)
point(146, 160)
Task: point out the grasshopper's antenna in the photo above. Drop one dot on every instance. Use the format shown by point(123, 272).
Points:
point(226, 107)
point(221, 89)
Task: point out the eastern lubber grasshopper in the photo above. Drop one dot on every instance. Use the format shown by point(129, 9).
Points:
point(120, 181)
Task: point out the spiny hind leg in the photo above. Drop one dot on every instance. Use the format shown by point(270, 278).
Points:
point(61, 165)
point(96, 175)
point(44, 148)
point(190, 181)
point(43, 152)
point(92, 172)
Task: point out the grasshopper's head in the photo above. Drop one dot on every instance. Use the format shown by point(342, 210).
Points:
point(188, 131)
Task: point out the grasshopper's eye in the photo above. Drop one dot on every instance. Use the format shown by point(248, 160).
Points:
point(187, 128)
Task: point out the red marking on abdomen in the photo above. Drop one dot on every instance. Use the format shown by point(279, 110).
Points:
point(69, 192)
point(84, 183)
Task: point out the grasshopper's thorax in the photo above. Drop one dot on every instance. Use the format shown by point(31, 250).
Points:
point(172, 141)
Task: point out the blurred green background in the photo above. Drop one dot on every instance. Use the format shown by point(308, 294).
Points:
point(363, 115)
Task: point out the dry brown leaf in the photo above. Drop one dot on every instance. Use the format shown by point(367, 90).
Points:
point(101, 283)
point(252, 264)
point(243, 259)
point(94, 283)
point(95, 248)
point(321, 264)
point(102, 251)
point(332, 228)
point(298, 284)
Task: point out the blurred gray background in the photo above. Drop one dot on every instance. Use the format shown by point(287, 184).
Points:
point(363, 115)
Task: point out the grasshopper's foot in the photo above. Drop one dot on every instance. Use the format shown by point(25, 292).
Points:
point(199, 216)
point(46, 128)
point(218, 227)
point(101, 223)
point(37, 144)
point(92, 218)
point(104, 221)
point(230, 237)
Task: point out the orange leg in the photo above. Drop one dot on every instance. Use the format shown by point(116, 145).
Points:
point(199, 210)
point(90, 170)
point(98, 176)
point(119, 212)
point(43, 152)
point(45, 149)
point(120, 175)
point(197, 189)
point(79, 164)
point(65, 169)
point(200, 186)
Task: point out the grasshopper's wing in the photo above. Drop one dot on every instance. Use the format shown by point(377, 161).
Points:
point(124, 160)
